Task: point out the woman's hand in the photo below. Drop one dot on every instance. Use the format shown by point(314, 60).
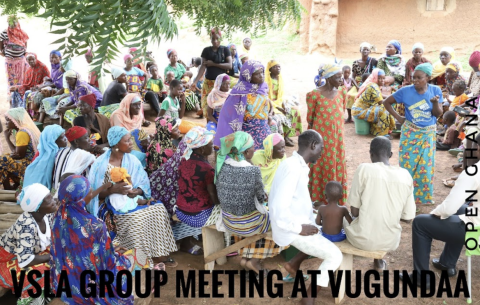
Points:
point(435, 99)
point(146, 123)
point(209, 63)
point(120, 249)
point(120, 188)
point(13, 88)
point(97, 150)
point(282, 110)
point(309, 230)
point(62, 110)
point(134, 193)
point(401, 120)
point(7, 133)
point(381, 102)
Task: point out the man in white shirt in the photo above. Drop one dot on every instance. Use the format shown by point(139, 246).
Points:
point(381, 196)
point(447, 223)
point(291, 212)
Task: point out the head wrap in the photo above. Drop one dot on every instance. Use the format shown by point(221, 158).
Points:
point(21, 119)
point(397, 45)
point(161, 148)
point(381, 72)
point(115, 134)
point(75, 133)
point(474, 60)
point(196, 138)
point(427, 68)
point(243, 56)
point(233, 146)
point(264, 159)
point(31, 197)
point(418, 45)
point(31, 55)
point(366, 45)
point(90, 99)
point(454, 66)
point(216, 98)
point(215, 30)
point(319, 82)
point(56, 53)
point(373, 78)
point(122, 114)
point(236, 58)
point(116, 72)
point(41, 170)
point(246, 39)
point(268, 79)
point(136, 99)
point(70, 73)
point(438, 67)
point(328, 70)
point(15, 33)
point(169, 51)
point(127, 56)
point(89, 53)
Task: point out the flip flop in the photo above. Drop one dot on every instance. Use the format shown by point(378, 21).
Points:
point(232, 254)
point(195, 250)
point(291, 279)
point(448, 183)
point(170, 263)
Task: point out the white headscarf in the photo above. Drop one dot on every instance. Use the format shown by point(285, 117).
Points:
point(116, 72)
point(32, 197)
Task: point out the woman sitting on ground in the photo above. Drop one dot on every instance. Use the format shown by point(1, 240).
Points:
point(134, 74)
point(33, 80)
point(393, 64)
point(77, 88)
point(474, 80)
point(241, 194)
point(12, 166)
point(447, 55)
point(269, 158)
point(146, 227)
point(96, 124)
point(177, 68)
point(452, 75)
point(369, 105)
point(25, 246)
point(89, 246)
point(161, 148)
point(412, 63)
point(115, 92)
point(287, 117)
point(216, 99)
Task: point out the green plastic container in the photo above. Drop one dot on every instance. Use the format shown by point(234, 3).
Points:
point(362, 127)
point(39, 126)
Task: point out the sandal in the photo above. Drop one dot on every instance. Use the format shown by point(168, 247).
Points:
point(449, 182)
point(232, 254)
point(170, 262)
point(291, 279)
point(196, 250)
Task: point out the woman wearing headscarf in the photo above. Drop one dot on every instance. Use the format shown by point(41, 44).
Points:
point(447, 55)
point(161, 148)
point(115, 92)
point(269, 158)
point(25, 246)
point(241, 194)
point(56, 68)
point(130, 113)
point(412, 63)
point(287, 117)
point(177, 68)
point(34, 75)
point(13, 46)
point(474, 80)
point(247, 107)
point(366, 64)
point(369, 105)
point(80, 241)
point(325, 109)
point(13, 166)
point(41, 169)
point(452, 74)
point(236, 65)
point(215, 60)
point(215, 100)
point(77, 88)
point(417, 143)
point(393, 64)
point(146, 227)
point(134, 82)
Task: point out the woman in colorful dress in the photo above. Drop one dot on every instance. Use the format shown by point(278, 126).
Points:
point(366, 64)
point(13, 46)
point(369, 105)
point(412, 63)
point(241, 194)
point(134, 74)
point(326, 106)
point(393, 64)
point(25, 246)
point(34, 75)
point(452, 74)
point(161, 148)
point(215, 60)
point(215, 100)
point(177, 68)
point(13, 166)
point(417, 143)
point(145, 227)
point(89, 246)
point(247, 107)
point(447, 55)
point(269, 158)
point(287, 116)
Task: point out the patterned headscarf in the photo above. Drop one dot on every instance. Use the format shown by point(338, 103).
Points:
point(56, 53)
point(80, 241)
point(32, 196)
point(23, 122)
point(215, 30)
point(169, 51)
point(115, 134)
point(397, 45)
point(41, 170)
point(268, 80)
point(15, 33)
point(233, 146)
point(216, 98)
point(366, 45)
point(196, 138)
point(161, 148)
point(373, 78)
point(326, 71)
point(244, 86)
point(34, 75)
point(454, 66)
point(122, 114)
point(438, 67)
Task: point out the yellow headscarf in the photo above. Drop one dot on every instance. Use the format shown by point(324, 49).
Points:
point(268, 80)
point(438, 67)
point(263, 159)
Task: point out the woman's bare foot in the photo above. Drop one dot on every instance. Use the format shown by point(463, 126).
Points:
point(254, 265)
point(380, 265)
point(243, 263)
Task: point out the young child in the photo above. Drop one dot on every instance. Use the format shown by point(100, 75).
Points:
point(244, 58)
point(348, 84)
point(330, 216)
point(170, 77)
point(174, 104)
point(450, 140)
point(155, 82)
point(459, 88)
point(123, 203)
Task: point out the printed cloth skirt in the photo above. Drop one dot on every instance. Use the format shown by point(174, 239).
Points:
point(9, 262)
point(258, 129)
point(181, 230)
point(212, 126)
point(205, 218)
point(50, 105)
point(417, 155)
point(108, 110)
point(71, 114)
point(381, 121)
point(15, 69)
point(14, 167)
point(206, 89)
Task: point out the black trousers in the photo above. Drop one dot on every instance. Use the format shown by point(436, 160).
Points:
point(427, 227)
point(153, 99)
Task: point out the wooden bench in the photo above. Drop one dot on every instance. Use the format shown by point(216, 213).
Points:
point(348, 252)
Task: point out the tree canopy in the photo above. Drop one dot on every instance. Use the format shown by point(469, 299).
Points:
point(105, 25)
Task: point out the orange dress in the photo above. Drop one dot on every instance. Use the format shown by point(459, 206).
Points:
point(326, 117)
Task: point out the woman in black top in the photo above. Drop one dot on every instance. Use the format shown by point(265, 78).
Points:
point(215, 60)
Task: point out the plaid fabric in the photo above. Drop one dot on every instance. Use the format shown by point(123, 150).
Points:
point(261, 249)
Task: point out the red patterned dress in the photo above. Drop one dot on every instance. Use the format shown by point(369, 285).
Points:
point(326, 117)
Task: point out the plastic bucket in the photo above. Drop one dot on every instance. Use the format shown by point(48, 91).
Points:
point(362, 127)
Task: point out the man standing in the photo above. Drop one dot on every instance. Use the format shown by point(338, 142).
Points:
point(291, 212)
point(381, 196)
